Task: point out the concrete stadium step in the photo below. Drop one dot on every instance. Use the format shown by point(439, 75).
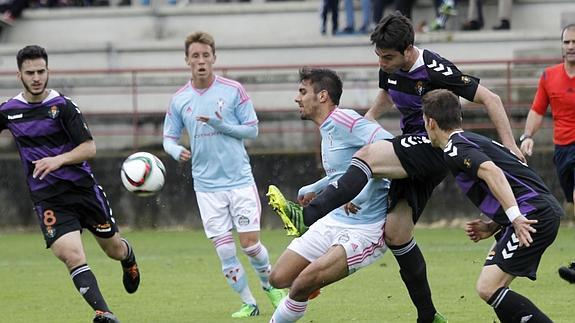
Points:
point(259, 33)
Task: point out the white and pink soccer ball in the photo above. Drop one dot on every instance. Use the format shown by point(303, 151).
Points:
point(143, 174)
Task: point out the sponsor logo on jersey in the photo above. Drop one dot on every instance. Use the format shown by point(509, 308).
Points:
point(54, 112)
point(15, 116)
point(104, 227)
point(392, 82)
point(467, 162)
point(465, 79)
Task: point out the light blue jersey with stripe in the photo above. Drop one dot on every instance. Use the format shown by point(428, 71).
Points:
point(219, 158)
point(343, 133)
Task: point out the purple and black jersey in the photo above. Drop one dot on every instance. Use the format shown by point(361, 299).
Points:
point(466, 151)
point(430, 72)
point(47, 129)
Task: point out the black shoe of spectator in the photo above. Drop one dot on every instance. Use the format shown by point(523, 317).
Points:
point(568, 273)
point(504, 25)
point(472, 25)
point(347, 30)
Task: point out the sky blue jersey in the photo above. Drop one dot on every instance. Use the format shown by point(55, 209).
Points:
point(219, 159)
point(343, 133)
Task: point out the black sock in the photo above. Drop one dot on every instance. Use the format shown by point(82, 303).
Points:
point(414, 275)
point(348, 186)
point(130, 259)
point(86, 284)
point(512, 307)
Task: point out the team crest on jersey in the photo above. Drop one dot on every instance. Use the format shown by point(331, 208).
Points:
point(54, 112)
point(419, 88)
point(465, 79)
point(243, 220)
point(467, 162)
point(221, 104)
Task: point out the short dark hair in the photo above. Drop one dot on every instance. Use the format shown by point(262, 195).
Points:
point(31, 52)
point(395, 31)
point(444, 107)
point(323, 79)
point(569, 26)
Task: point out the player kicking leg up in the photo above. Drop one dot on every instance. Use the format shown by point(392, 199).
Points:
point(408, 197)
point(329, 251)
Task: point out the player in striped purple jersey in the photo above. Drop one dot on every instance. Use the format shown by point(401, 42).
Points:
point(348, 238)
point(413, 165)
point(218, 115)
point(509, 193)
point(54, 144)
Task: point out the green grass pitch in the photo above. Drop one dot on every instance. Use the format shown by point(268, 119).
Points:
point(182, 282)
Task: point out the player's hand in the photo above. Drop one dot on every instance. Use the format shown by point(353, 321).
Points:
point(351, 208)
point(209, 120)
point(479, 229)
point(306, 198)
point(518, 153)
point(185, 155)
point(527, 146)
point(45, 166)
point(523, 230)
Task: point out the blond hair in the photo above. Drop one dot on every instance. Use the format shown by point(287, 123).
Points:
point(200, 37)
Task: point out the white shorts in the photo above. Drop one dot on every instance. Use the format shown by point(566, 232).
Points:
point(363, 243)
point(222, 211)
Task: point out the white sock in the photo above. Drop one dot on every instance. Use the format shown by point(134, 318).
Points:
point(289, 311)
point(260, 261)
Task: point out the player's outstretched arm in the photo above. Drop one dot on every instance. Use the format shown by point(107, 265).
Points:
point(497, 114)
point(382, 103)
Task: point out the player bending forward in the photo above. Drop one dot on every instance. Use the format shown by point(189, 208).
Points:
point(349, 238)
point(507, 191)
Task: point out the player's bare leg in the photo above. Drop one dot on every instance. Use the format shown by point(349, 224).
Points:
point(326, 270)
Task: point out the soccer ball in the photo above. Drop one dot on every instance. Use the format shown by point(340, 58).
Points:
point(143, 174)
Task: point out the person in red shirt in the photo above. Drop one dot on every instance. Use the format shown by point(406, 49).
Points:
point(557, 89)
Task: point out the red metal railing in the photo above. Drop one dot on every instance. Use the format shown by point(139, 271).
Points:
point(506, 83)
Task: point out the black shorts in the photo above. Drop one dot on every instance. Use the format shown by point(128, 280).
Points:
point(524, 261)
point(425, 168)
point(80, 207)
point(564, 159)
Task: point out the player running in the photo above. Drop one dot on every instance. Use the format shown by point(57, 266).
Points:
point(54, 144)
point(520, 207)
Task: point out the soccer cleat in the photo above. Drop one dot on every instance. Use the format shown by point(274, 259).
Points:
point(439, 318)
point(105, 317)
point(291, 213)
point(275, 295)
point(247, 310)
point(131, 277)
point(568, 273)
point(447, 8)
